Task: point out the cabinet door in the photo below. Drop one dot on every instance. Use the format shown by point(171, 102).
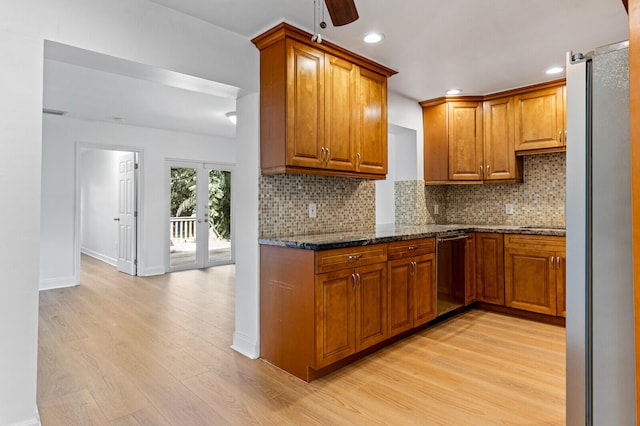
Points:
point(465, 140)
point(371, 305)
point(305, 105)
point(436, 143)
point(372, 138)
point(400, 314)
point(490, 268)
point(530, 280)
point(335, 316)
point(424, 289)
point(500, 162)
point(561, 274)
point(470, 270)
point(539, 119)
point(341, 113)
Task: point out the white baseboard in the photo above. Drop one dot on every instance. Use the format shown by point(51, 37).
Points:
point(59, 282)
point(245, 345)
point(31, 422)
point(149, 271)
point(106, 259)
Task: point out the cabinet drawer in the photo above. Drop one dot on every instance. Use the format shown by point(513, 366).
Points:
point(534, 241)
point(400, 249)
point(333, 260)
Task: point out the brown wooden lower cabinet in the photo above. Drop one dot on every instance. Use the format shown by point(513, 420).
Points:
point(489, 268)
point(412, 292)
point(470, 270)
point(351, 311)
point(534, 273)
point(318, 308)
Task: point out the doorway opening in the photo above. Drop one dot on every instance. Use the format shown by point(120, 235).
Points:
point(107, 210)
point(200, 215)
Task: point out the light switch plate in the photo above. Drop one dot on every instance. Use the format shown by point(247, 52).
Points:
point(436, 209)
point(312, 210)
point(508, 208)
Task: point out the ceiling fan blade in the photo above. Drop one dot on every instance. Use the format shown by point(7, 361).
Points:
point(342, 12)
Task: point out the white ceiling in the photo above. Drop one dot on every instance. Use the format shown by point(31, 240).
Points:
point(478, 46)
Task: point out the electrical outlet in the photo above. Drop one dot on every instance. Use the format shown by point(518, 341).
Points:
point(312, 210)
point(508, 208)
point(436, 209)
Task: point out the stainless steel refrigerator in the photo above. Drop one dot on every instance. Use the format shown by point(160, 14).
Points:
point(600, 338)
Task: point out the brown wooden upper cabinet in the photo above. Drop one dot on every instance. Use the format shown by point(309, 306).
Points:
point(323, 109)
point(479, 139)
point(540, 119)
point(468, 142)
point(500, 162)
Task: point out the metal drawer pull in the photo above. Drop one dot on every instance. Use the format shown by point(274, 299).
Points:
point(359, 280)
point(353, 257)
point(353, 277)
point(411, 248)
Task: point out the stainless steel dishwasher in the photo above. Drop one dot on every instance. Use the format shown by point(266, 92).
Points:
point(450, 272)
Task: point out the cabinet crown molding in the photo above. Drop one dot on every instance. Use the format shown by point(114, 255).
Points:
point(285, 30)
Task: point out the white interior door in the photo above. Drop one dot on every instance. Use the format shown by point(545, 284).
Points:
point(127, 215)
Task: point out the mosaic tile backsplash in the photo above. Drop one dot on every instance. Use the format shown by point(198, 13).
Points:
point(342, 204)
point(540, 200)
point(345, 204)
point(414, 205)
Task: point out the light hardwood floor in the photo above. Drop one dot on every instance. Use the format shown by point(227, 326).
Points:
point(124, 350)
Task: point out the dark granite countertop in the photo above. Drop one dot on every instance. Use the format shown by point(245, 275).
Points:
point(389, 233)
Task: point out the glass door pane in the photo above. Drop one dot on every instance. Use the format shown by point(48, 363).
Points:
point(219, 233)
point(183, 218)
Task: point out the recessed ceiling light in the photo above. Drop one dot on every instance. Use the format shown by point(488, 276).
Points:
point(555, 70)
point(373, 38)
point(454, 92)
point(231, 116)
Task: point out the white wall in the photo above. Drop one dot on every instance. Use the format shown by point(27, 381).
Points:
point(61, 137)
point(385, 191)
point(135, 30)
point(405, 153)
point(99, 195)
point(407, 113)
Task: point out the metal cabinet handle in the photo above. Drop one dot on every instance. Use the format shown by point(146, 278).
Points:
point(560, 136)
point(353, 277)
point(481, 170)
point(565, 137)
point(328, 155)
point(324, 156)
point(353, 257)
point(414, 268)
point(487, 169)
point(359, 280)
point(359, 159)
point(553, 265)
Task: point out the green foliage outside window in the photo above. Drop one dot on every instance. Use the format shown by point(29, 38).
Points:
point(183, 198)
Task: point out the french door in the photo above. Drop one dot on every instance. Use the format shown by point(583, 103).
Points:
point(200, 220)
